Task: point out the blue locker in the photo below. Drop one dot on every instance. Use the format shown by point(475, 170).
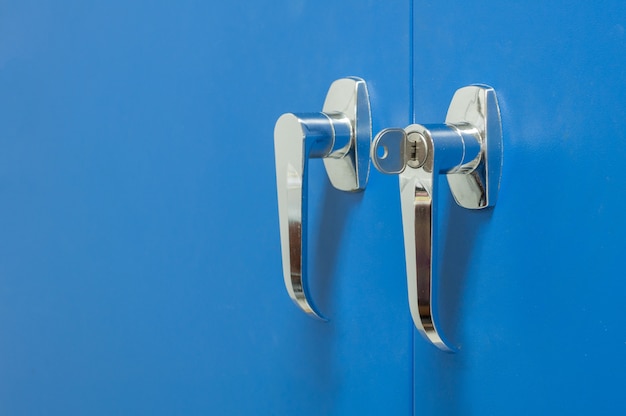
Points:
point(140, 267)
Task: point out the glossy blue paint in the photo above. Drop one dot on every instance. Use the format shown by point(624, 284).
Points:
point(533, 289)
point(139, 252)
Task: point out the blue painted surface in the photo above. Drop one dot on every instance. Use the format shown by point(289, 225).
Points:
point(139, 252)
point(533, 290)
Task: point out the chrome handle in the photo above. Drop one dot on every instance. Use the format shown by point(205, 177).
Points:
point(468, 149)
point(341, 134)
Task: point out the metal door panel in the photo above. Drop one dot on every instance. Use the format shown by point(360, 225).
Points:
point(139, 251)
point(533, 290)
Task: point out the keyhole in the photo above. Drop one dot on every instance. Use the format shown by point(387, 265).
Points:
point(382, 152)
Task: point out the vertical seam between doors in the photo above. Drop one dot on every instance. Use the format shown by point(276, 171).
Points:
point(412, 120)
point(411, 62)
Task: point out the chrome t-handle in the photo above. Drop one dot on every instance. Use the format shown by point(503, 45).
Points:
point(468, 149)
point(341, 134)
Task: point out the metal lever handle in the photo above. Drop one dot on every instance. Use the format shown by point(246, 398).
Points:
point(341, 134)
point(468, 148)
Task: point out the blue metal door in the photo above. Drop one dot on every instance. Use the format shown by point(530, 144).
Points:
point(533, 291)
point(139, 249)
